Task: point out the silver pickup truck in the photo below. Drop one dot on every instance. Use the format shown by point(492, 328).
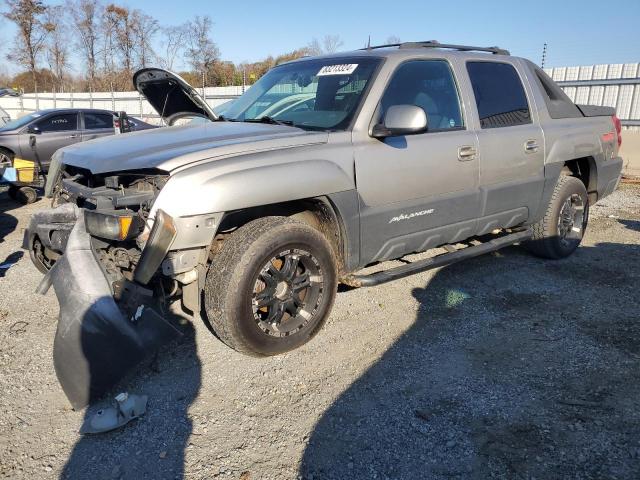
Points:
point(325, 166)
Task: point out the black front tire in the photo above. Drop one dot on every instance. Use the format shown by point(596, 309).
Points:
point(562, 228)
point(271, 287)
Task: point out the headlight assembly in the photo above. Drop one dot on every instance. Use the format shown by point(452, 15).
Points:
point(113, 225)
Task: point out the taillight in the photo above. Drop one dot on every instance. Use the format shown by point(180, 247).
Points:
point(618, 125)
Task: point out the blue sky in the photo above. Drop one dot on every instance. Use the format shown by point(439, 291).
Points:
point(577, 32)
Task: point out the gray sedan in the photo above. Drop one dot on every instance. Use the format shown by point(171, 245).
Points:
point(38, 135)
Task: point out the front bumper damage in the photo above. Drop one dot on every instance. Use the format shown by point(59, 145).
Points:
point(98, 339)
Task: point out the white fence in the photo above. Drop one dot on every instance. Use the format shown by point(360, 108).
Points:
point(131, 102)
point(612, 85)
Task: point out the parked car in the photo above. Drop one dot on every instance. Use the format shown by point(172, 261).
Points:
point(4, 117)
point(9, 92)
point(136, 125)
point(36, 136)
point(393, 151)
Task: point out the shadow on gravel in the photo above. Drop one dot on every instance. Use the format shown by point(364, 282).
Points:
point(515, 367)
point(631, 224)
point(8, 262)
point(152, 447)
point(8, 222)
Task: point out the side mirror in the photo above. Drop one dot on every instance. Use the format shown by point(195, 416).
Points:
point(401, 120)
point(34, 129)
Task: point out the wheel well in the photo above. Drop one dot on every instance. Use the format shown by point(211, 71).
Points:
point(317, 212)
point(5, 149)
point(584, 169)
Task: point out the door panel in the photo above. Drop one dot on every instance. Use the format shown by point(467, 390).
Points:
point(418, 191)
point(511, 144)
point(56, 131)
point(411, 185)
point(510, 175)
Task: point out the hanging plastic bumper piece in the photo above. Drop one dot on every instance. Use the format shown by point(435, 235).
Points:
point(97, 341)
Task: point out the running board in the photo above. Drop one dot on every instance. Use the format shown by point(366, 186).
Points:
point(437, 261)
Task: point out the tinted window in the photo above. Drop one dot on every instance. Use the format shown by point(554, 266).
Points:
point(93, 121)
point(59, 123)
point(428, 84)
point(499, 94)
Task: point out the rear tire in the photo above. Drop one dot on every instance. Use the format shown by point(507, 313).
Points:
point(562, 228)
point(271, 287)
point(27, 195)
point(13, 192)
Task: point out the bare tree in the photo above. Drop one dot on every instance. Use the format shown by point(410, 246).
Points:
point(202, 52)
point(32, 33)
point(123, 28)
point(145, 29)
point(108, 43)
point(392, 40)
point(173, 45)
point(314, 47)
point(57, 51)
point(332, 43)
point(85, 15)
point(329, 44)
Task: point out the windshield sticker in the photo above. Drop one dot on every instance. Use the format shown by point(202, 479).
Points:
point(345, 69)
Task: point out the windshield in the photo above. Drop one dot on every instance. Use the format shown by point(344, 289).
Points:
point(20, 122)
point(321, 94)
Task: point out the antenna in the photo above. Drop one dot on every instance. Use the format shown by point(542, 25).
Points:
point(544, 54)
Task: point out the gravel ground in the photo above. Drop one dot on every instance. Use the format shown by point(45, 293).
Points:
point(504, 366)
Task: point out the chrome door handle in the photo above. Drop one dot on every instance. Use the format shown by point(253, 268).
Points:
point(72, 136)
point(466, 153)
point(531, 146)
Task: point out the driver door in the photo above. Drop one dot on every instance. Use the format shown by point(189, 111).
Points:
point(419, 191)
point(50, 134)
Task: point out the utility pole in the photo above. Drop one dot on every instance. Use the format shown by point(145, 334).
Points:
point(544, 54)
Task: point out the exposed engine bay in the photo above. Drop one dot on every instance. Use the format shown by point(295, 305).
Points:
point(116, 209)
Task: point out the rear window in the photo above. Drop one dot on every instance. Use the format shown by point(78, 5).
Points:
point(499, 94)
point(95, 121)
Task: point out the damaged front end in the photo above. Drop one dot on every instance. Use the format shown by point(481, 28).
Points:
point(103, 254)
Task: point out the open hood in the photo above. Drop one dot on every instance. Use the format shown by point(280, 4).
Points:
point(170, 95)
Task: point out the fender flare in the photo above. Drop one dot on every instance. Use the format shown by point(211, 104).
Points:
point(258, 186)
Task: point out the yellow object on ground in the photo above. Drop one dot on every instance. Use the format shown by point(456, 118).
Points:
point(25, 170)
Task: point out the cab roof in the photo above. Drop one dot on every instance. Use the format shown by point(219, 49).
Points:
point(430, 48)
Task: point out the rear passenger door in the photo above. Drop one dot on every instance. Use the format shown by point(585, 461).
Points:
point(97, 125)
point(511, 145)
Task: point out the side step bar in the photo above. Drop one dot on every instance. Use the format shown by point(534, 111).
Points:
point(437, 261)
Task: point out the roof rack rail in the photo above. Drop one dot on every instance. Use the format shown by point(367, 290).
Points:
point(436, 44)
